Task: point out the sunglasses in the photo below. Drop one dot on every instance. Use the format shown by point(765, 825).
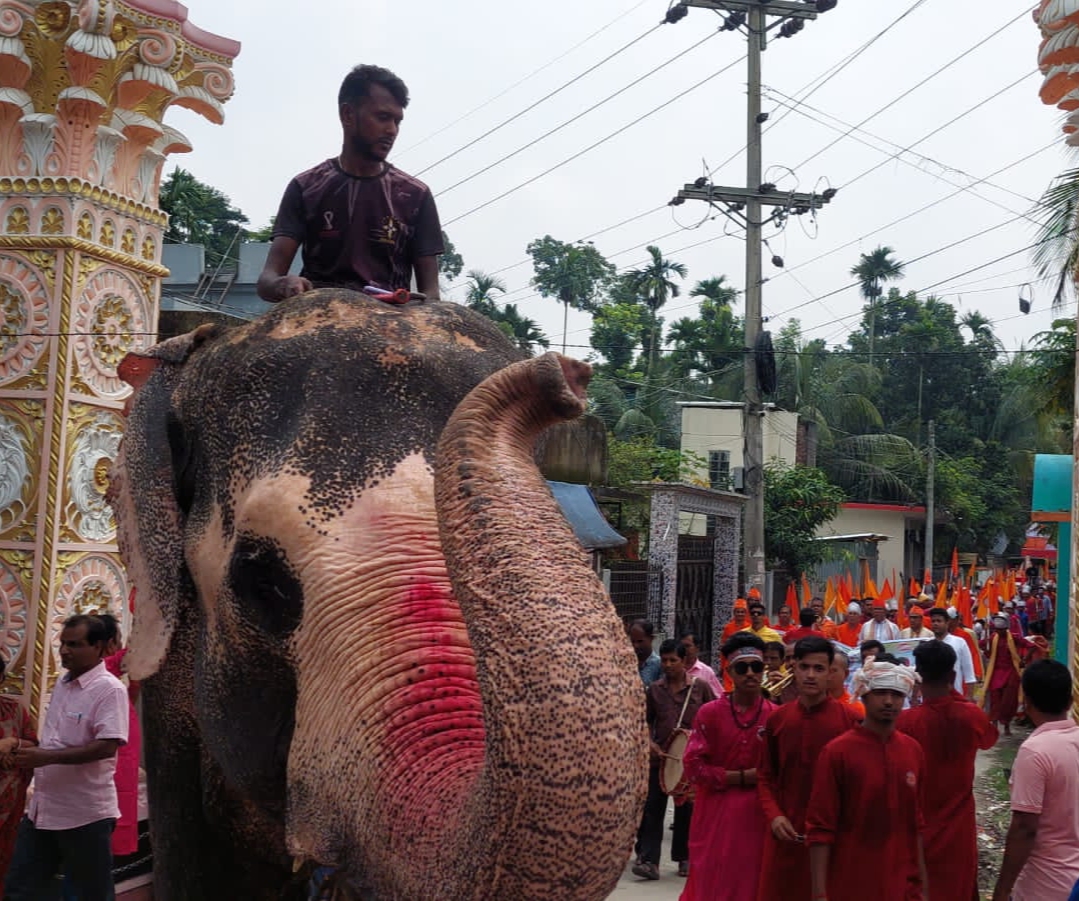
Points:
point(743, 667)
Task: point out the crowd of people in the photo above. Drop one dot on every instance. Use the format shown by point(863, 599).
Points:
point(826, 767)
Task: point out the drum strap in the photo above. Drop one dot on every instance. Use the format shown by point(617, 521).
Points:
point(685, 703)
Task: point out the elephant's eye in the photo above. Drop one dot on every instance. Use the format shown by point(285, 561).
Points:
point(266, 585)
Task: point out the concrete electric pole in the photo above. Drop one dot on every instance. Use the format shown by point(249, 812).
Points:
point(746, 203)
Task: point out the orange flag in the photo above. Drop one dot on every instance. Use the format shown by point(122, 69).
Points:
point(851, 594)
point(807, 591)
point(792, 598)
point(928, 580)
point(971, 572)
point(869, 587)
point(913, 588)
point(964, 606)
point(829, 597)
point(901, 619)
point(886, 591)
point(955, 562)
point(843, 590)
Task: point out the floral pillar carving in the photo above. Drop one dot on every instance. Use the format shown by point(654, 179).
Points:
point(84, 88)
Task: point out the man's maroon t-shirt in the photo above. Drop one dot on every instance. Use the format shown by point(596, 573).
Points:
point(358, 231)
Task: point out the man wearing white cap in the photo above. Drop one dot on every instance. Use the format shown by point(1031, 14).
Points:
point(868, 792)
point(848, 632)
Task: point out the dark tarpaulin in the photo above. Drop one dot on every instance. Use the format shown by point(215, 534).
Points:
point(579, 507)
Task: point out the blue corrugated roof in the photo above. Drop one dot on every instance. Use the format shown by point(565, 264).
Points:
point(579, 507)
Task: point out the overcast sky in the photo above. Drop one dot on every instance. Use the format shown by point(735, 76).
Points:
point(471, 65)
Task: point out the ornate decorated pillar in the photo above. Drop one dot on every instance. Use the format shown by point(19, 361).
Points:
point(1058, 60)
point(84, 87)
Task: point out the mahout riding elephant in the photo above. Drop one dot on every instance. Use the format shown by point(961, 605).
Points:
point(367, 637)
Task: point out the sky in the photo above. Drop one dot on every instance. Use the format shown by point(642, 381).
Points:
point(951, 150)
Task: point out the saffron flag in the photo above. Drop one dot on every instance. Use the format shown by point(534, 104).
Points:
point(830, 597)
point(955, 562)
point(913, 588)
point(792, 598)
point(807, 591)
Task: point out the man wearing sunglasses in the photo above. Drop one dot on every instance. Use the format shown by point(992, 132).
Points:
point(726, 837)
point(794, 736)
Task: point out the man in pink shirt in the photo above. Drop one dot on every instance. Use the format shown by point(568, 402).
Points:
point(1041, 855)
point(697, 668)
point(71, 817)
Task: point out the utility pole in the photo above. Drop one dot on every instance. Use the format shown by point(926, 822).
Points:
point(746, 204)
point(930, 497)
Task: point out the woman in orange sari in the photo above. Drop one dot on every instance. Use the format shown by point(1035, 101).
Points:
point(15, 732)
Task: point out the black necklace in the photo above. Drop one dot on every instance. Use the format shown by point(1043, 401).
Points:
point(756, 716)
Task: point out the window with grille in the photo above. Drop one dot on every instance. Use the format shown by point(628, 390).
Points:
point(719, 470)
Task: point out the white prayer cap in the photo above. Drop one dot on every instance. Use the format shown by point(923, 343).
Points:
point(854, 607)
point(876, 676)
point(953, 613)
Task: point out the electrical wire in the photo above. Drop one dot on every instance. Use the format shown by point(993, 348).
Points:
point(543, 99)
point(620, 17)
point(596, 144)
point(680, 55)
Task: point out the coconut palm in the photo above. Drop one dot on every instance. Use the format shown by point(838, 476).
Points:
point(654, 284)
point(871, 271)
point(1056, 252)
point(524, 332)
point(480, 292)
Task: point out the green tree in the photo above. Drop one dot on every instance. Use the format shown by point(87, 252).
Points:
point(709, 345)
point(654, 284)
point(201, 214)
point(451, 262)
point(797, 501)
point(576, 275)
point(524, 332)
point(480, 292)
point(871, 270)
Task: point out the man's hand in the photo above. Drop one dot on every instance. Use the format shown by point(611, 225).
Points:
point(290, 285)
point(31, 758)
point(7, 745)
point(656, 751)
point(783, 830)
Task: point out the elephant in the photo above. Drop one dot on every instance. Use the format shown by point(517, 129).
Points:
point(366, 635)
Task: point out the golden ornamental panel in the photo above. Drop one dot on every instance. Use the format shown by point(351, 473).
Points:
point(17, 222)
point(110, 318)
point(14, 613)
point(24, 317)
point(108, 233)
point(89, 583)
point(52, 221)
point(85, 228)
point(21, 429)
point(93, 442)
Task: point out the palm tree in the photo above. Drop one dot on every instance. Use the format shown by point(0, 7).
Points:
point(654, 284)
point(716, 290)
point(981, 332)
point(480, 292)
point(524, 332)
point(1056, 252)
point(873, 269)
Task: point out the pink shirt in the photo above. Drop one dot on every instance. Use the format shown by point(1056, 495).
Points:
point(1045, 781)
point(701, 670)
point(91, 707)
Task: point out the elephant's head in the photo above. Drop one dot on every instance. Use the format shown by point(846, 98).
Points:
point(395, 656)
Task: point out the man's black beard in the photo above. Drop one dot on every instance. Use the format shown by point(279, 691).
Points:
point(364, 149)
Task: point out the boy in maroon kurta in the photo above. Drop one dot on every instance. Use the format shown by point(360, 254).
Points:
point(793, 738)
point(951, 730)
point(865, 819)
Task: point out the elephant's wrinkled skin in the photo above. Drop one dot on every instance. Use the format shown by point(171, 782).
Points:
point(440, 702)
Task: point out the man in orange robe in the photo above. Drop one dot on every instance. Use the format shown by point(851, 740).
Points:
point(794, 736)
point(950, 730)
point(847, 633)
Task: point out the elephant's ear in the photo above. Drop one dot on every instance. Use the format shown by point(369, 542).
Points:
point(150, 524)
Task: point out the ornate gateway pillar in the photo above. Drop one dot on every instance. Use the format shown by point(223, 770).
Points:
point(84, 86)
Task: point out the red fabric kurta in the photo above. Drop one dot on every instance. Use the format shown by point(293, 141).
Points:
point(726, 835)
point(1002, 691)
point(950, 730)
point(125, 837)
point(793, 739)
point(14, 723)
point(867, 803)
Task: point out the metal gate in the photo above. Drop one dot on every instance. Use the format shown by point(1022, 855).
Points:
point(694, 595)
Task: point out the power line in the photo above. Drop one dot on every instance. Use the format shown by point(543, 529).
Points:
point(924, 81)
point(526, 78)
point(580, 115)
point(596, 144)
point(542, 99)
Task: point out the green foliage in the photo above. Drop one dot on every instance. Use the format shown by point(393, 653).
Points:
point(640, 459)
point(451, 262)
point(481, 289)
point(797, 501)
point(616, 333)
point(1056, 253)
point(200, 214)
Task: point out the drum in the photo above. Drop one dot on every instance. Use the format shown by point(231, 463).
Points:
point(672, 777)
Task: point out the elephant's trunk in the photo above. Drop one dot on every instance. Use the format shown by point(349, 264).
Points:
point(550, 653)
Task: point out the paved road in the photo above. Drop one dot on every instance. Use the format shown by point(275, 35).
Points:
point(667, 888)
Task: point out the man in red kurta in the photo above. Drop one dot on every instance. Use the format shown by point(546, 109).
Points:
point(1003, 672)
point(793, 738)
point(951, 730)
point(865, 817)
